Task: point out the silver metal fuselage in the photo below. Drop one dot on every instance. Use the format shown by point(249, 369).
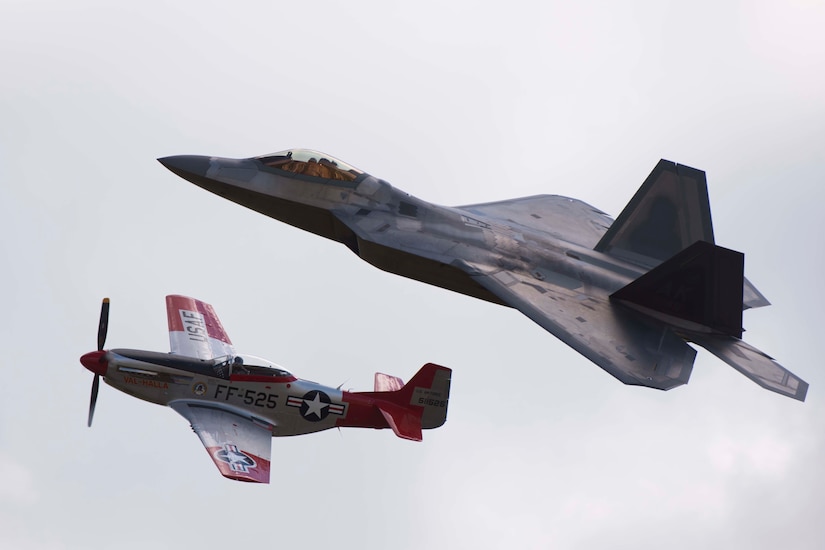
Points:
point(425, 238)
point(164, 378)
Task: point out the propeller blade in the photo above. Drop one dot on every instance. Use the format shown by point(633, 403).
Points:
point(93, 401)
point(103, 327)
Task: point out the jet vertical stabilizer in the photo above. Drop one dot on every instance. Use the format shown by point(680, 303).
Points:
point(668, 213)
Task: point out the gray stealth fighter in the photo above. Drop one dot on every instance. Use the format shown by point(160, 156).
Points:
point(627, 294)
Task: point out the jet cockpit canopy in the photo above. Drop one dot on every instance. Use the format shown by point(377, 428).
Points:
point(311, 163)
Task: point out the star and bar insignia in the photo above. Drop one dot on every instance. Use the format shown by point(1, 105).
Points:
point(315, 405)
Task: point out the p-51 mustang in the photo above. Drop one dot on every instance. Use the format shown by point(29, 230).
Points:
point(237, 403)
point(627, 294)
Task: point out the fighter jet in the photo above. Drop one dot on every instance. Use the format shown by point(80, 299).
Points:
point(627, 294)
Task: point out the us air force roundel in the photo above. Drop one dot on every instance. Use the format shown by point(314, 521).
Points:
point(238, 460)
point(315, 405)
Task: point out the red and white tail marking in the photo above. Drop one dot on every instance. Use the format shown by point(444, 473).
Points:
point(195, 330)
point(419, 404)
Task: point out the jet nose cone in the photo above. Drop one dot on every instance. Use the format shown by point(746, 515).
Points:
point(186, 165)
point(96, 362)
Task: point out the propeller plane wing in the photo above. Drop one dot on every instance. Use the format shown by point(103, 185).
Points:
point(240, 447)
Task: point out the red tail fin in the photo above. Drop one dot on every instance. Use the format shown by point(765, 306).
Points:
point(420, 404)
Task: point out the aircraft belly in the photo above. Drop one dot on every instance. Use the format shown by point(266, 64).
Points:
point(290, 424)
point(309, 217)
point(426, 270)
point(404, 250)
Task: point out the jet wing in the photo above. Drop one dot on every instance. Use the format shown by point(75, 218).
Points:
point(569, 219)
point(195, 330)
point(633, 350)
point(577, 222)
point(239, 445)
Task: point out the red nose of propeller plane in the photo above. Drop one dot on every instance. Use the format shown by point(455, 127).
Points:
point(96, 362)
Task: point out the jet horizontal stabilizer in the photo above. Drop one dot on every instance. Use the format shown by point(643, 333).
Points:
point(754, 364)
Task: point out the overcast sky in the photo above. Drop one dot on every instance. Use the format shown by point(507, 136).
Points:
point(455, 102)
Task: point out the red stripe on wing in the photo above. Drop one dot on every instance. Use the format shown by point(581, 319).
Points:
point(175, 303)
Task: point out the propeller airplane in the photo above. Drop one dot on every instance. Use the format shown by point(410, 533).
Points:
point(236, 403)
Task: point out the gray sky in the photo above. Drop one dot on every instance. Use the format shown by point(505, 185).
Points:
point(455, 102)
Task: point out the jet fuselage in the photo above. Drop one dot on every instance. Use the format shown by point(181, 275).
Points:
point(434, 235)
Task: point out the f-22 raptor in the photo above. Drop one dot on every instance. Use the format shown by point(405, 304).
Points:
point(627, 294)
